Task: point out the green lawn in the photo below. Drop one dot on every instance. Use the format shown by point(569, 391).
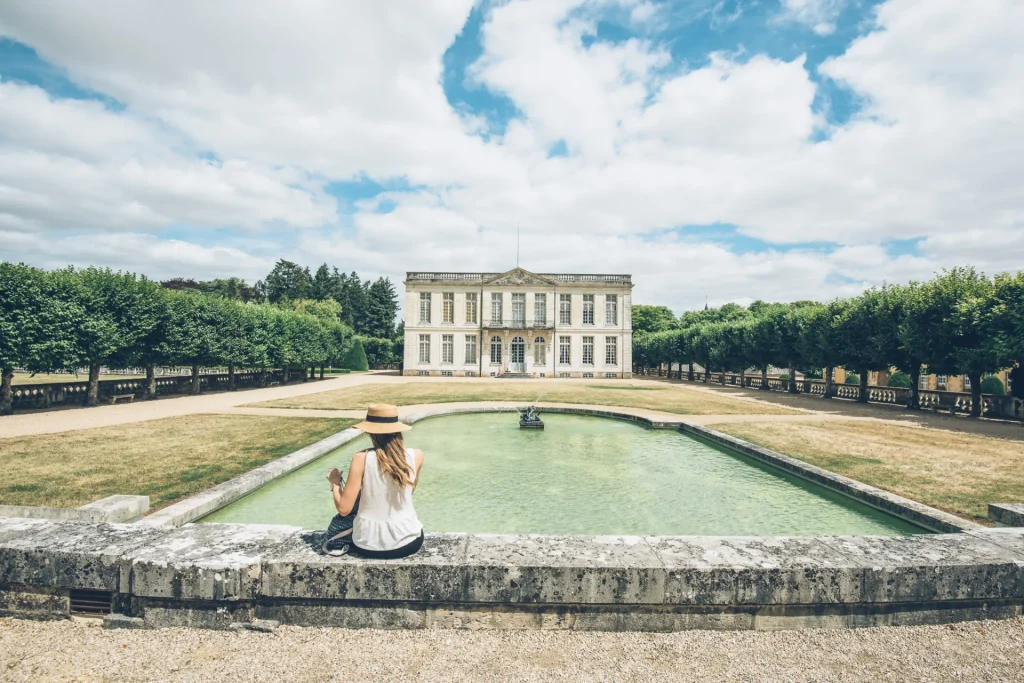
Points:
point(166, 459)
point(669, 398)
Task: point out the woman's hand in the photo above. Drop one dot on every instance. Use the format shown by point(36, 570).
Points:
point(334, 476)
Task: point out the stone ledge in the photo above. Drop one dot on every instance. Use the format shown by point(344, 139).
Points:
point(1007, 514)
point(117, 508)
point(215, 575)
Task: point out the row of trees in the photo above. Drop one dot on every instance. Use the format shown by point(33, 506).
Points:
point(960, 322)
point(67, 319)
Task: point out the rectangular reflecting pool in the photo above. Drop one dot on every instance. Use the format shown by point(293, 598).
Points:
point(580, 475)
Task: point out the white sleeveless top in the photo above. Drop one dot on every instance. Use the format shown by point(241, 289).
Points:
point(386, 519)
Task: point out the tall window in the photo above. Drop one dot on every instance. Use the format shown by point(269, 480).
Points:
point(496, 307)
point(967, 383)
point(564, 344)
point(540, 308)
point(424, 307)
point(565, 309)
point(471, 303)
point(424, 348)
point(611, 351)
point(588, 350)
point(611, 309)
point(538, 351)
point(448, 307)
point(495, 350)
point(470, 349)
point(447, 348)
point(941, 381)
point(922, 382)
point(519, 309)
point(588, 309)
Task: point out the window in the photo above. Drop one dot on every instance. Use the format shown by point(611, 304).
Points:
point(446, 373)
point(611, 309)
point(538, 351)
point(588, 350)
point(424, 307)
point(588, 309)
point(565, 309)
point(496, 307)
point(448, 307)
point(611, 375)
point(611, 348)
point(447, 348)
point(941, 381)
point(564, 344)
point(967, 383)
point(540, 308)
point(495, 350)
point(470, 348)
point(424, 348)
point(922, 382)
point(471, 303)
point(424, 373)
point(588, 375)
point(519, 309)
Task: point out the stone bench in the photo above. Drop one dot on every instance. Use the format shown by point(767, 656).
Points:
point(224, 575)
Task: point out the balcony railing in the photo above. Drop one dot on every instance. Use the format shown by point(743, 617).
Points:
point(519, 324)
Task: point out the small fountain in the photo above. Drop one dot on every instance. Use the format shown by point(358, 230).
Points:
point(529, 418)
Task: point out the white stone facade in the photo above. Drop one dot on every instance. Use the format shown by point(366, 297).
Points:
point(543, 325)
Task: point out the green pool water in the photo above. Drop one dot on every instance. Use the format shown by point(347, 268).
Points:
point(581, 475)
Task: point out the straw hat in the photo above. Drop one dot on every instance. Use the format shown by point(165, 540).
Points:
point(382, 418)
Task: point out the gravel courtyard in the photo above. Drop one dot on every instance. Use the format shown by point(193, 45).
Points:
point(81, 651)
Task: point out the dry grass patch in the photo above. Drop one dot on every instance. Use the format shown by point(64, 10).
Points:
point(167, 459)
point(667, 398)
point(959, 473)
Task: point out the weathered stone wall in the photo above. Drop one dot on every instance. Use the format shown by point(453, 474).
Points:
point(225, 575)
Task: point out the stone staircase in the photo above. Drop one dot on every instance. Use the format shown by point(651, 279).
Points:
point(508, 374)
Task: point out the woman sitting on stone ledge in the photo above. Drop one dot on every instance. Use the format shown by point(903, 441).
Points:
point(380, 484)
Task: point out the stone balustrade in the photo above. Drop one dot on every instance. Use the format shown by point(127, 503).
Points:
point(73, 392)
point(1004, 407)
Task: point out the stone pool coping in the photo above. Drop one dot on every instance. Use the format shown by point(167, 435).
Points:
point(206, 502)
point(234, 575)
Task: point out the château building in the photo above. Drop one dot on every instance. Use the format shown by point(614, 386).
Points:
point(518, 323)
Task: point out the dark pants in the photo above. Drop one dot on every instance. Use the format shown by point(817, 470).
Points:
point(404, 551)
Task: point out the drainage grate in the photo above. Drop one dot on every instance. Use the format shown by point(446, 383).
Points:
point(85, 602)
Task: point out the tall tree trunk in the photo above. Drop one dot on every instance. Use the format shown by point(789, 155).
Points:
point(6, 392)
point(743, 377)
point(764, 379)
point(1017, 382)
point(862, 395)
point(284, 374)
point(723, 377)
point(196, 384)
point(321, 372)
point(92, 394)
point(792, 380)
point(231, 378)
point(915, 388)
point(689, 373)
point(707, 371)
point(830, 389)
point(975, 393)
point(261, 381)
point(150, 381)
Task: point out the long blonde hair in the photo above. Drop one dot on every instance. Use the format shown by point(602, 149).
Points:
point(391, 460)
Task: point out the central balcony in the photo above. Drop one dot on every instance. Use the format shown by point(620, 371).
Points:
point(519, 324)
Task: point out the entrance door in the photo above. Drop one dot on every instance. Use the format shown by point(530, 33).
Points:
point(517, 355)
point(519, 310)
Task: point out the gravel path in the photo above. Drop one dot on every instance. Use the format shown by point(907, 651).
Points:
point(80, 650)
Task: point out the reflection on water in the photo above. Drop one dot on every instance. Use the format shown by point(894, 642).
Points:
point(581, 475)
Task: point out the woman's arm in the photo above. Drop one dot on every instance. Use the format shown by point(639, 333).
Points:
point(418, 456)
point(345, 500)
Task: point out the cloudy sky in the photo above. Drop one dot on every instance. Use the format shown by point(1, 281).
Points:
point(734, 149)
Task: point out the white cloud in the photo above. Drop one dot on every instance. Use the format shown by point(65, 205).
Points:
point(290, 99)
point(819, 15)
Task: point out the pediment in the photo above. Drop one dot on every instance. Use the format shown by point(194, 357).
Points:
point(519, 276)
